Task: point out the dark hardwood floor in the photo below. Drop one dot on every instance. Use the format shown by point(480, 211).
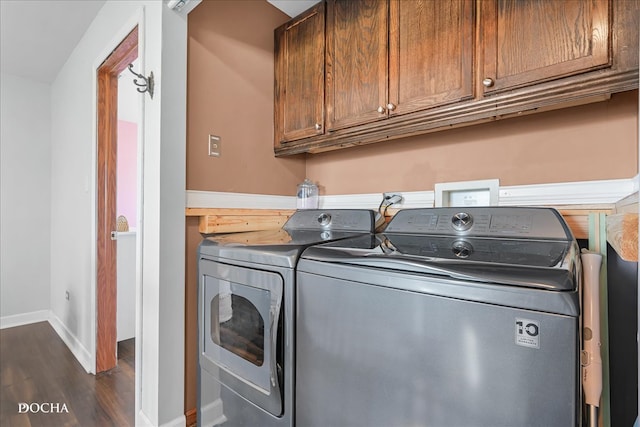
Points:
point(36, 367)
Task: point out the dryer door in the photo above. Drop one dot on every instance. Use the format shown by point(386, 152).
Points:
point(239, 332)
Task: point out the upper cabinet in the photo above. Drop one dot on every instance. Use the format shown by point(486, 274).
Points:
point(527, 42)
point(393, 68)
point(299, 82)
point(430, 53)
point(357, 61)
point(390, 58)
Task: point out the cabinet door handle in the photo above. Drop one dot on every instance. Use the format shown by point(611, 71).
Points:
point(318, 126)
point(381, 109)
point(391, 107)
point(488, 82)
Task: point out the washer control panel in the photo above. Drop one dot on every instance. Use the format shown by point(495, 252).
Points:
point(461, 221)
point(361, 220)
point(515, 222)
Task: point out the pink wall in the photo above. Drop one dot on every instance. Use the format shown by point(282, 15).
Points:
point(127, 175)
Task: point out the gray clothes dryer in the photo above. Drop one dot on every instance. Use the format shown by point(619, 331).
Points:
point(246, 316)
point(451, 317)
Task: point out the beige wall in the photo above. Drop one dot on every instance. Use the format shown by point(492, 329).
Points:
point(590, 142)
point(230, 94)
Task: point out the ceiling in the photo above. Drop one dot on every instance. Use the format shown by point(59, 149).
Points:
point(37, 36)
point(293, 7)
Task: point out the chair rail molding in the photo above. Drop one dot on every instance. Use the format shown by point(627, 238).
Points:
point(583, 193)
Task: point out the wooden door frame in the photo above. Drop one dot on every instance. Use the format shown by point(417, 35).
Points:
point(107, 150)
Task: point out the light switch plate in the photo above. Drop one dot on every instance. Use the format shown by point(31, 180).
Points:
point(215, 146)
point(467, 193)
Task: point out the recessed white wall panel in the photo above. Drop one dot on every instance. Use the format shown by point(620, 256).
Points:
point(25, 195)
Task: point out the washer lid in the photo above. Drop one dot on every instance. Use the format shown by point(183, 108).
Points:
point(531, 253)
point(537, 264)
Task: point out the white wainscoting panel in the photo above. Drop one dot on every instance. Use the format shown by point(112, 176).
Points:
point(567, 193)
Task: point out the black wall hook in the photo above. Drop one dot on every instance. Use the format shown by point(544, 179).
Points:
point(147, 86)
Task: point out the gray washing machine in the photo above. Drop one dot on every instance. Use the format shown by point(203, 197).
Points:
point(452, 317)
point(246, 316)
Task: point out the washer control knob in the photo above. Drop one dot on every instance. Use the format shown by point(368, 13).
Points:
point(462, 249)
point(324, 219)
point(462, 221)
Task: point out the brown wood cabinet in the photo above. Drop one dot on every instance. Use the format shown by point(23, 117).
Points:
point(430, 53)
point(404, 67)
point(527, 42)
point(395, 57)
point(299, 77)
point(357, 62)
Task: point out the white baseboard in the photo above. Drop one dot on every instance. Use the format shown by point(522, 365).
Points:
point(212, 414)
point(143, 421)
point(566, 193)
point(24, 319)
point(73, 343)
point(180, 421)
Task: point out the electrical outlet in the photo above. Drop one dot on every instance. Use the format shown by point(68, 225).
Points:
point(66, 295)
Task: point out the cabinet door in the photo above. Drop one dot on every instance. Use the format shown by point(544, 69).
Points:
point(430, 53)
point(357, 62)
point(299, 77)
point(530, 41)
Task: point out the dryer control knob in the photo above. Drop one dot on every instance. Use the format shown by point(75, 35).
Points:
point(324, 218)
point(462, 221)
